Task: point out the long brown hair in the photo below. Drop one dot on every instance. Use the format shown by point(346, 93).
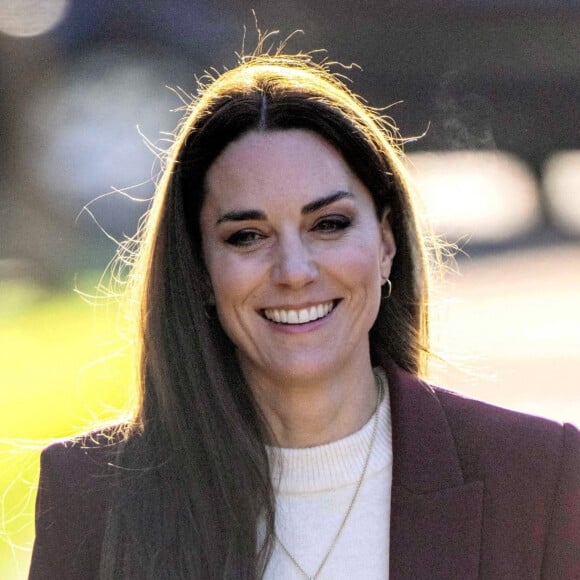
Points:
point(194, 474)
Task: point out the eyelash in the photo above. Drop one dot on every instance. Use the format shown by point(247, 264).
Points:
point(336, 222)
point(244, 238)
point(327, 225)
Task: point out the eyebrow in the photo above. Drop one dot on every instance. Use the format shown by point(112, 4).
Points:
point(240, 215)
point(324, 201)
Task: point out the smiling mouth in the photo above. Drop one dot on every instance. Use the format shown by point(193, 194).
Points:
point(300, 316)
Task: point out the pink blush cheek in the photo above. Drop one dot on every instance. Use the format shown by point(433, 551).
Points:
point(355, 265)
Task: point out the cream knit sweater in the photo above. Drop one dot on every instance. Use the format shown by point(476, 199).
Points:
point(313, 492)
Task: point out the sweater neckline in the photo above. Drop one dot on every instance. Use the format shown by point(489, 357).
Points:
point(336, 464)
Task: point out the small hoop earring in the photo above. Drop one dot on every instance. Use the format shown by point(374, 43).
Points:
point(387, 295)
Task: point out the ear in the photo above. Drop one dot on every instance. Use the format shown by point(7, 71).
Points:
point(388, 247)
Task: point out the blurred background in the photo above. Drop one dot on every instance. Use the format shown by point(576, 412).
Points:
point(491, 88)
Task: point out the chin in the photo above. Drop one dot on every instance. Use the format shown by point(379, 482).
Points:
point(306, 370)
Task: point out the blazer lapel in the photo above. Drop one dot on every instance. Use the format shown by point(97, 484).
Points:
point(435, 516)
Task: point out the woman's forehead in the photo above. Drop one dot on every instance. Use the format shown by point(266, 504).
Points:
point(292, 164)
point(278, 171)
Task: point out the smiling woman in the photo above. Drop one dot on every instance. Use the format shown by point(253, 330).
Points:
point(296, 258)
point(284, 430)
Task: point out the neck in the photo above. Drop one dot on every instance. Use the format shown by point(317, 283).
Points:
point(307, 413)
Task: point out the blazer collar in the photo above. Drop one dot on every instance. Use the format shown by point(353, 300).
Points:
point(436, 517)
point(424, 454)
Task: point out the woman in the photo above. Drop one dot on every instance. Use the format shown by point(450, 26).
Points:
point(283, 429)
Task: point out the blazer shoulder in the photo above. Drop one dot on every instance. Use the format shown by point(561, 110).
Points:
point(529, 462)
point(481, 414)
point(506, 438)
point(75, 493)
point(84, 457)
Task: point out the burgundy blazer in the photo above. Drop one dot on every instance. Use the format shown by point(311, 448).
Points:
point(478, 492)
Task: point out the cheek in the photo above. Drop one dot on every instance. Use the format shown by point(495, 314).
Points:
point(232, 282)
point(227, 293)
point(359, 263)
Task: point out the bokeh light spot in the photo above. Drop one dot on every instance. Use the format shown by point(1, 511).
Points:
point(25, 18)
point(489, 196)
point(561, 179)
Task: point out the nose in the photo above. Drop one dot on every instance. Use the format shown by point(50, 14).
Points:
point(293, 266)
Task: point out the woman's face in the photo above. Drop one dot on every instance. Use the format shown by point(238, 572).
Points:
point(295, 253)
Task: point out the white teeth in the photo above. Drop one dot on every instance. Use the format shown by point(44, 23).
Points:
point(299, 316)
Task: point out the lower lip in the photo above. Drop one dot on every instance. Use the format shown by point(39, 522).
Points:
point(300, 328)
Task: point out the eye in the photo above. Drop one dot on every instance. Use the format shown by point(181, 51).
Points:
point(244, 238)
point(332, 224)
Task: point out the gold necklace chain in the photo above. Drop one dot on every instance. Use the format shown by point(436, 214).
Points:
point(380, 389)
